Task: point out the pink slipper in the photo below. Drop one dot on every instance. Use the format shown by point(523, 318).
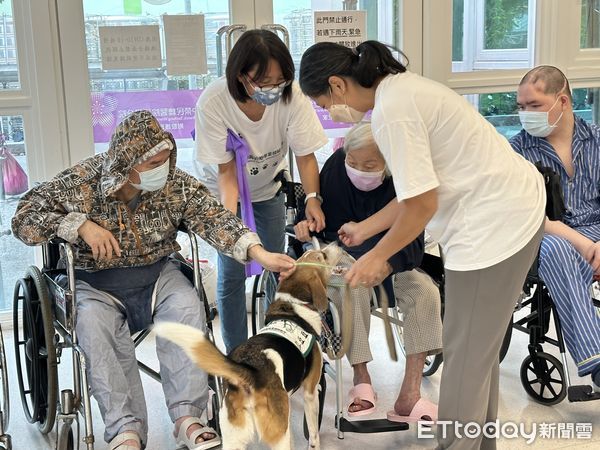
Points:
point(363, 391)
point(423, 411)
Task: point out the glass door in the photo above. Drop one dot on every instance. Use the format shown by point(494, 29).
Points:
point(117, 91)
point(14, 170)
point(382, 23)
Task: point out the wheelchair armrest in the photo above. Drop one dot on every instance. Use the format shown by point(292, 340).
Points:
point(289, 230)
point(596, 302)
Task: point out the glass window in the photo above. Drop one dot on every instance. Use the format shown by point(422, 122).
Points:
point(590, 24)
point(586, 104)
point(9, 70)
point(500, 109)
point(298, 18)
point(505, 23)
point(171, 98)
point(491, 34)
point(14, 256)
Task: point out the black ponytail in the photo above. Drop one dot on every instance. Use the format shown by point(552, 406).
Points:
point(370, 61)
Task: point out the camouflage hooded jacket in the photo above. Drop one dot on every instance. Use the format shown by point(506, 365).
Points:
point(87, 191)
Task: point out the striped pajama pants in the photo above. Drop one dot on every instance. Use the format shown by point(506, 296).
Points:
point(568, 277)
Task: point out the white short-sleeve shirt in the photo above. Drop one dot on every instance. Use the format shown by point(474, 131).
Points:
point(292, 125)
point(491, 201)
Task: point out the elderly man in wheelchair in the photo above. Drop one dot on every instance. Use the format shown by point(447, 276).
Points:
point(355, 188)
point(569, 259)
point(120, 211)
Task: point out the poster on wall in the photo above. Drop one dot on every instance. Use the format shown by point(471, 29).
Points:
point(175, 110)
point(130, 47)
point(184, 44)
point(348, 28)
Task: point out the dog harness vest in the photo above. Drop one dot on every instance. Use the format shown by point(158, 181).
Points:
point(292, 332)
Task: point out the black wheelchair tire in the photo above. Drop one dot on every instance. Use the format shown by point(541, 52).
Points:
point(432, 364)
point(506, 340)
point(38, 329)
point(5, 403)
point(550, 364)
point(263, 292)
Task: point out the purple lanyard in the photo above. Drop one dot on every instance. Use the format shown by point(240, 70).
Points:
point(239, 146)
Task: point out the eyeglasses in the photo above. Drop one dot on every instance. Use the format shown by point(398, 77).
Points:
point(267, 87)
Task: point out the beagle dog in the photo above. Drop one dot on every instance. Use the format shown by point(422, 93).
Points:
point(260, 374)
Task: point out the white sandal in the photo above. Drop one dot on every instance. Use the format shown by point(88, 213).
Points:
point(190, 442)
point(117, 442)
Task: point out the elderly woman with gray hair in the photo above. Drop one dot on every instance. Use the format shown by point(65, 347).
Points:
point(356, 185)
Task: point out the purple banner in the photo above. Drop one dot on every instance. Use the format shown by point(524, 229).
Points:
point(175, 110)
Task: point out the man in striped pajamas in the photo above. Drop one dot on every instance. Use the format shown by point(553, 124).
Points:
point(570, 250)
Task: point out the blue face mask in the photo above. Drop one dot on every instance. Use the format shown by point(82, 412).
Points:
point(267, 95)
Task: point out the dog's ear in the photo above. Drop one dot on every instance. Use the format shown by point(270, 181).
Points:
point(318, 293)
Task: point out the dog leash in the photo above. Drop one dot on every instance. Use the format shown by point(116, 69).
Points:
point(347, 316)
point(346, 323)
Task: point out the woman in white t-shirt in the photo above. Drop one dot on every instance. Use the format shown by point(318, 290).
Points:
point(456, 174)
point(258, 100)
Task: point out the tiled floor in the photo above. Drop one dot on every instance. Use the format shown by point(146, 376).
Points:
point(514, 406)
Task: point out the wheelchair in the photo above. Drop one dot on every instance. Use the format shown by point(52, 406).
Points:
point(263, 293)
point(44, 319)
point(545, 379)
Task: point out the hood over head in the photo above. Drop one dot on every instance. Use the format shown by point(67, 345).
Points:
point(137, 138)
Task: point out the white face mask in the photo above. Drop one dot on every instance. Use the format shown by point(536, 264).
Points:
point(153, 180)
point(344, 113)
point(536, 123)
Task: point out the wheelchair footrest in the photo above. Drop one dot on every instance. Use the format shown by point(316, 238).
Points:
point(582, 393)
point(370, 426)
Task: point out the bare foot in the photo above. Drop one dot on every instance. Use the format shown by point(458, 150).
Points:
point(405, 404)
point(361, 375)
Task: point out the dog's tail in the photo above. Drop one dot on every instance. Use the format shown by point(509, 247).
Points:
point(204, 353)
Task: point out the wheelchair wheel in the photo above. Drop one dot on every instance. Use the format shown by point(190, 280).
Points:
point(65, 440)
point(263, 293)
point(506, 340)
point(35, 352)
point(322, 391)
point(4, 402)
point(432, 364)
point(543, 378)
